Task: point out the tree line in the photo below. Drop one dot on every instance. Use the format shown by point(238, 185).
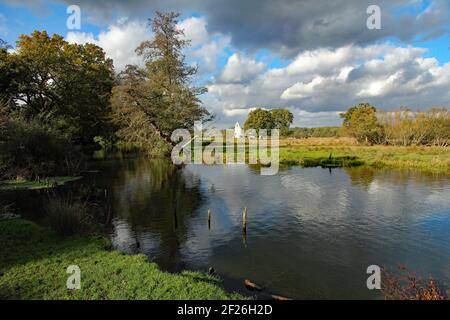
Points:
point(403, 127)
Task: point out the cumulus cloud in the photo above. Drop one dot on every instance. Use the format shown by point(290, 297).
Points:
point(304, 118)
point(119, 41)
point(288, 26)
point(333, 61)
point(240, 69)
point(326, 80)
point(194, 29)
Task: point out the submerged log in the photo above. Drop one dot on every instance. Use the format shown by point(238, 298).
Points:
point(252, 286)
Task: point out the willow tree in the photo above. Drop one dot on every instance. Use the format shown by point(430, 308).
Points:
point(151, 102)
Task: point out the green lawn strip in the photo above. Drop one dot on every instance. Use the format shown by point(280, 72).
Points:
point(33, 263)
point(36, 184)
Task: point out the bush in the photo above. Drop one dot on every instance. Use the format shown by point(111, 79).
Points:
point(405, 127)
point(68, 217)
point(30, 150)
point(405, 285)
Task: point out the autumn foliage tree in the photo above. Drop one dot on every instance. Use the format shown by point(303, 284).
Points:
point(362, 124)
point(54, 101)
point(64, 85)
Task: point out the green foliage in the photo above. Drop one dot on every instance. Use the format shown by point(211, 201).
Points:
point(347, 116)
point(364, 126)
point(29, 150)
point(282, 119)
point(54, 99)
point(259, 119)
point(269, 119)
point(65, 86)
point(151, 102)
point(43, 257)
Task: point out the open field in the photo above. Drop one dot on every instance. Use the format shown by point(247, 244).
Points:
point(33, 263)
point(346, 152)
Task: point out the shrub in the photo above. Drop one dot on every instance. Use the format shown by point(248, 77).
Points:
point(68, 217)
point(405, 285)
point(30, 150)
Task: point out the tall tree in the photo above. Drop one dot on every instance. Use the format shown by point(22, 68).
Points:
point(347, 116)
point(7, 73)
point(282, 119)
point(64, 85)
point(259, 119)
point(363, 124)
point(159, 96)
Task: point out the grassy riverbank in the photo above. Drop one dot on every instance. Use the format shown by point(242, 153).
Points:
point(343, 152)
point(36, 184)
point(33, 263)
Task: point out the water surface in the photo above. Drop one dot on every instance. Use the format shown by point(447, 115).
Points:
point(311, 232)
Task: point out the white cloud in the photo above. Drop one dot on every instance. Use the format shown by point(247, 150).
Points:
point(304, 118)
point(205, 48)
point(195, 30)
point(324, 81)
point(119, 41)
point(210, 52)
point(314, 85)
point(241, 69)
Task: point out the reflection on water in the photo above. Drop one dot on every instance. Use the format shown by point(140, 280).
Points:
point(311, 232)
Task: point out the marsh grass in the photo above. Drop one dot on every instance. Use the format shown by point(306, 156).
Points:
point(345, 152)
point(430, 159)
point(67, 216)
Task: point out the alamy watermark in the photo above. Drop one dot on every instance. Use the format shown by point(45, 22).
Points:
point(73, 22)
point(374, 20)
point(74, 280)
point(225, 147)
point(374, 280)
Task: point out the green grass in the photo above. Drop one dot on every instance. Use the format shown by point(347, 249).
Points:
point(339, 153)
point(36, 184)
point(418, 158)
point(33, 263)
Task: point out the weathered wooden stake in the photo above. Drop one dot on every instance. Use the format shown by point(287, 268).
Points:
point(209, 218)
point(244, 238)
point(244, 220)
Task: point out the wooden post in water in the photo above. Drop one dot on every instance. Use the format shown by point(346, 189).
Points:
point(244, 238)
point(209, 219)
point(244, 220)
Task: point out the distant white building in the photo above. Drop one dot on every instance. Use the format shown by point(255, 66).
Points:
point(238, 132)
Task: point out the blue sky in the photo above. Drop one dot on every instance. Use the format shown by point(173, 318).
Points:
point(306, 57)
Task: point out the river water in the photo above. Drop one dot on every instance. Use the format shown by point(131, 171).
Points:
point(311, 232)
